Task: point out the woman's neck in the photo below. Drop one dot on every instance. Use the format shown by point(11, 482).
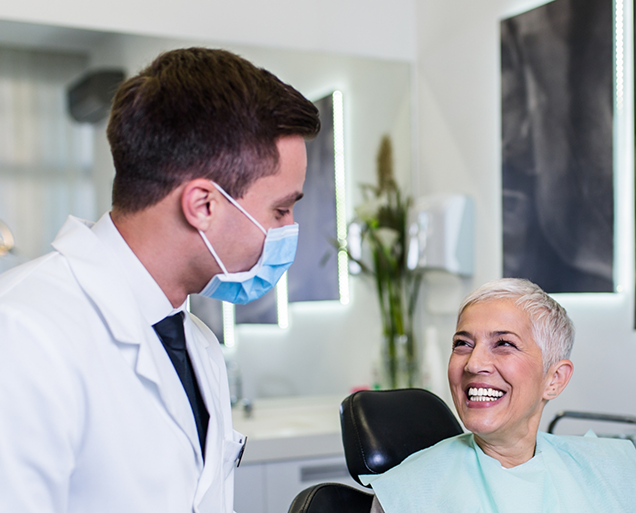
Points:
point(509, 453)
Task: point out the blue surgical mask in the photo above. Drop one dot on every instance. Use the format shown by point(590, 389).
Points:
point(278, 254)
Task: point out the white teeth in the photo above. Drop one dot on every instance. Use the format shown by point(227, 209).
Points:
point(484, 394)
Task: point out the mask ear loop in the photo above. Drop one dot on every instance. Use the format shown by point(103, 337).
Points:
point(216, 257)
point(235, 203)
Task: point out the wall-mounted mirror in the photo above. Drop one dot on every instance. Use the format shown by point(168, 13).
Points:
point(63, 167)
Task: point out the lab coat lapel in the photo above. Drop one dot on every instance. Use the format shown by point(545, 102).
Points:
point(173, 394)
point(208, 377)
point(96, 270)
point(215, 489)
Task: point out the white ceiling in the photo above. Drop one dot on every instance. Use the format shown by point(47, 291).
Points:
point(31, 35)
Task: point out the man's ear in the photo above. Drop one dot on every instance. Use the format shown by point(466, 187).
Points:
point(199, 200)
point(559, 376)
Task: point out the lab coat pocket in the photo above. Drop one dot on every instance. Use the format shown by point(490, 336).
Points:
point(233, 451)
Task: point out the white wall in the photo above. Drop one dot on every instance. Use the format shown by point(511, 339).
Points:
point(458, 73)
point(456, 45)
point(372, 28)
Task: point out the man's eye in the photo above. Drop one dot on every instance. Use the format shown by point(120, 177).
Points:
point(282, 212)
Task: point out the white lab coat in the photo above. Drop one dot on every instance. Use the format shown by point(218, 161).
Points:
point(93, 417)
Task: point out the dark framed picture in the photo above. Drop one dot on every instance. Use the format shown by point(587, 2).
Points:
point(557, 146)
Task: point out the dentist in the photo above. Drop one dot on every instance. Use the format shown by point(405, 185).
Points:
point(113, 398)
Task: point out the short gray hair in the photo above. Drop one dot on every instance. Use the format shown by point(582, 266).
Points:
point(552, 329)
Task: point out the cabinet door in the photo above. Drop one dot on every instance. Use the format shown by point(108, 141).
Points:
point(249, 489)
point(285, 479)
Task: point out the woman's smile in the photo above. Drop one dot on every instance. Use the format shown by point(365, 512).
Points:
point(481, 395)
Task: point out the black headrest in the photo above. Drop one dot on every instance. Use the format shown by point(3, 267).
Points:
point(380, 428)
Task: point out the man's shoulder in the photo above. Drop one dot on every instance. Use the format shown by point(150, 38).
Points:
point(45, 295)
point(50, 273)
point(32, 278)
point(43, 315)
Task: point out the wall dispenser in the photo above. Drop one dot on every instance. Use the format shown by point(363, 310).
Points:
point(441, 234)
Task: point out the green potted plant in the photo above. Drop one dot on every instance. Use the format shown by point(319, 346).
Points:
point(382, 223)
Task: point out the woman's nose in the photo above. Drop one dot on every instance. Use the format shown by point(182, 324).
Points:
point(479, 361)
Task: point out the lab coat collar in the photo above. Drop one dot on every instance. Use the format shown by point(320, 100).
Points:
point(149, 297)
point(96, 269)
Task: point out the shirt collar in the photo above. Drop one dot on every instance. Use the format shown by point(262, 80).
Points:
point(153, 303)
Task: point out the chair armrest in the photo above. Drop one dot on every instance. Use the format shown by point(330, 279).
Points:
point(331, 498)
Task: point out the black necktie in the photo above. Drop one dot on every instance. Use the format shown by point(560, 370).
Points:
point(171, 334)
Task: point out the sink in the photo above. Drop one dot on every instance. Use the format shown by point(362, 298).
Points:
point(291, 427)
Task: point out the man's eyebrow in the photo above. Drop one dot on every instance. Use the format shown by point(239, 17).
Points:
point(290, 199)
point(462, 334)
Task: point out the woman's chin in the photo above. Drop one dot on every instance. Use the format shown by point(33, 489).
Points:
point(482, 422)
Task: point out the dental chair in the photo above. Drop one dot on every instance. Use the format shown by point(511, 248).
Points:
point(380, 428)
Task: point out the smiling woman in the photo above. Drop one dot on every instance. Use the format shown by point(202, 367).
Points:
point(496, 370)
point(510, 357)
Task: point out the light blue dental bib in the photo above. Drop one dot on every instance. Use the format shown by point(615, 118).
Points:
point(567, 474)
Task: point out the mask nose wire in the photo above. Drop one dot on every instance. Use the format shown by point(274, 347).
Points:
point(235, 203)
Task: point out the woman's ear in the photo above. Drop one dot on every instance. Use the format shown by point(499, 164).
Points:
point(559, 376)
point(199, 201)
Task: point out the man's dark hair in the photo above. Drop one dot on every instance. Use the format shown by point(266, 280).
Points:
point(200, 113)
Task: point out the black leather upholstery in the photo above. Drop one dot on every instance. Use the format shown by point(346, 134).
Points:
point(380, 428)
point(331, 498)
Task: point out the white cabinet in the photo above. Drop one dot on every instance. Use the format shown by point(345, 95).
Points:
point(292, 444)
point(249, 489)
point(271, 487)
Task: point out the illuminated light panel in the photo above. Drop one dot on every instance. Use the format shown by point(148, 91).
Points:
point(341, 221)
point(282, 305)
point(623, 153)
point(228, 324)
point(620, 54)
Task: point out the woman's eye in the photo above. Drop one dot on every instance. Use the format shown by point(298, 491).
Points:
point(459, 343)
point(505, 343)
